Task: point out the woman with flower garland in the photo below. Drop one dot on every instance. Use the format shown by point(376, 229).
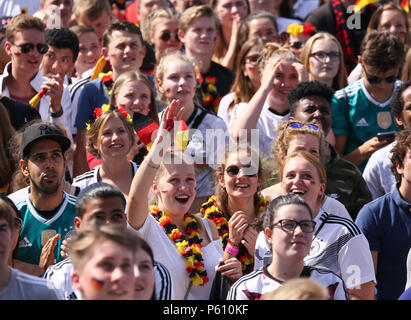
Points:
point(236, 205)
point(110, 138)
point(189, 246)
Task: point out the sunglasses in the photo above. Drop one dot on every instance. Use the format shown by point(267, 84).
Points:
point(166, 35)
point(297, 45)
point(300, 125)
point(307, 226)
point(42, 48)
point(376, 80)
point(249, 171)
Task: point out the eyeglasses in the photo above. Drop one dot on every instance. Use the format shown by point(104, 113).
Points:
point(166, 35)
point(253, 59)
point(42, 48)
point(297, 45)
point(321, 55)
point(18, 223)
point(376, 80)
point(300, 125)
point(288, 225)
point(248, 171)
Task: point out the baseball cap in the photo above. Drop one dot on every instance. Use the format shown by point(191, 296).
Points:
point(37, 132)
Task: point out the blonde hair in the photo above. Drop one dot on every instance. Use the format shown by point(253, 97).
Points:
point(298, 289)
point(310, 158)
point(21, 23)
point(97, 126)
point(135, 76)
point(162, 67)
point(285, 133)
point(92, 9)
point(159, 13)
point(195, 12)
point(221, 193)
point(81, 249)
point(340, 80)
point(273, 50)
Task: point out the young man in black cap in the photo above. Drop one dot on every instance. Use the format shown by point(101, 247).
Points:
point(48, 210)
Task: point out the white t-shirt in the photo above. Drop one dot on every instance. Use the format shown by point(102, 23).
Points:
point(90, 177)
point(377, 173)
point(22, 286)
point(338, 245)
point(166, 253)
point(252, 286)
point(267, 126)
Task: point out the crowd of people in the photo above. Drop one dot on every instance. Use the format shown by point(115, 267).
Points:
point(205, 150)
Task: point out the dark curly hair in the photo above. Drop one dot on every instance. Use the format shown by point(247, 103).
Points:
point(397, 102)
point(63, 38)
point(308, 89)
point(399, 152)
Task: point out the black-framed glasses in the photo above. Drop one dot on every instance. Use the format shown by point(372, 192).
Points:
point(376, 80)
point(249, 171)
point(322, 55)
point(166, 35)
point(288, 225)
point(42, 48)
point(297, 45)
point(300, 125)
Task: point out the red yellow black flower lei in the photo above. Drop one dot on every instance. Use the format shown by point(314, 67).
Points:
point(188, 244)
point(107, 80)
point(209, 93)
point(212, 211)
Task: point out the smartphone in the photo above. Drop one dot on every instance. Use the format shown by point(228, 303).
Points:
point(390, 136)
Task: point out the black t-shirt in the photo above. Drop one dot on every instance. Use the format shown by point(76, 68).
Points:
point(19, 112)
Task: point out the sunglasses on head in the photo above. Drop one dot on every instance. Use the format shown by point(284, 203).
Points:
point(166, 35)
point(42, 48)
point(249, 171)
point(376, 80)
point(300, 125)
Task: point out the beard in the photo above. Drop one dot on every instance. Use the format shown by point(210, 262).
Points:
point(44, 187)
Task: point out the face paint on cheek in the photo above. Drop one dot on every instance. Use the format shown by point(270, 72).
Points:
point(97, 284)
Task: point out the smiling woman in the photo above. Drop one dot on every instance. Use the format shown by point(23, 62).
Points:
point(110, 138)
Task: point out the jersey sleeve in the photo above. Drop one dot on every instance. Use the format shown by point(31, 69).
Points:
point(339, 114)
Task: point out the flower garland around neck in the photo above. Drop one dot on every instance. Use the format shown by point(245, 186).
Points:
point(105, 108)
point(209, 92)
point(212, 211)
point(188, 244)
point(107, 80)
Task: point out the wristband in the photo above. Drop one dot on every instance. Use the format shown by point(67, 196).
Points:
point(232, 251)
point(233, 245)
point(152, 166)
point(57, 114)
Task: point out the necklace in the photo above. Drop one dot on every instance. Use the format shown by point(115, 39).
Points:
point(212, 211)
point(188, 244)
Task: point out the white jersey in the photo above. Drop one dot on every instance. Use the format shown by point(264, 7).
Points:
point(60, 275)
point(252, 286)
point(338, 245)
point(93, 176)
point(267, 125)
point(22, 286)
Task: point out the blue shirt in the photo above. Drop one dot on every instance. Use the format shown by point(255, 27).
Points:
point(386, 223)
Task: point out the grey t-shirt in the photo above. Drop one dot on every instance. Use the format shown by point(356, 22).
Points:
point(22, 286)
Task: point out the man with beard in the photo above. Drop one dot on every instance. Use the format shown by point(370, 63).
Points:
point(48, 211)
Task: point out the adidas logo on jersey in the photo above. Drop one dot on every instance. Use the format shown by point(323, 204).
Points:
point(362, 123)
point(25, 243)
